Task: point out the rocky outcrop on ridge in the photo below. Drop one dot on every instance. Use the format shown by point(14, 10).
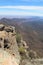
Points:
point(8, 41)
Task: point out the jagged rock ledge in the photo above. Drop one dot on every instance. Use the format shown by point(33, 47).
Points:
point(8, 41)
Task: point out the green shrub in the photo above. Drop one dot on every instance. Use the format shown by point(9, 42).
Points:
point(32, 54)
point(18, 38)
point(21, 50)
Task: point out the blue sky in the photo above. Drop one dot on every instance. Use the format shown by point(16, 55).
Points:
point(21, 7)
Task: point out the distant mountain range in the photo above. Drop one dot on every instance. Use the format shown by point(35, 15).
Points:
point(31, 30)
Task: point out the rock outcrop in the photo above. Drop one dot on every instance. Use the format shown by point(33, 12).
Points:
point(1, 27)
point(8, 41)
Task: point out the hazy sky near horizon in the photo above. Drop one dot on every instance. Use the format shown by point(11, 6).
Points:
point(21, 7)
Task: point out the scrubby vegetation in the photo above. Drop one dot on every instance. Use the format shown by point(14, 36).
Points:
point(22, 50)
point(32, 54)
point(18, 38)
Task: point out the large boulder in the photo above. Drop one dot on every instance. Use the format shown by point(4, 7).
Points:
point(3, 34)
point(1, 27)
point(8, 29)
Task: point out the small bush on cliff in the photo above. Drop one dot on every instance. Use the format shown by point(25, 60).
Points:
point(18, 38)
point(32, 54)
point(21, 50)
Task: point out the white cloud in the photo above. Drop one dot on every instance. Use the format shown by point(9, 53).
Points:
point(24, 7)
point(22, 13)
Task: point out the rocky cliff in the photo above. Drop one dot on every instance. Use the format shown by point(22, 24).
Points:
point(15, 51)
point(8, 41)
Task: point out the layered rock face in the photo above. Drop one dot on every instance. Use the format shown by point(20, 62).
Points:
point(8, 41)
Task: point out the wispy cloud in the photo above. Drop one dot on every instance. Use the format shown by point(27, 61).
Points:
point(24, 7)
point(21, 13)
point(22, 10)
